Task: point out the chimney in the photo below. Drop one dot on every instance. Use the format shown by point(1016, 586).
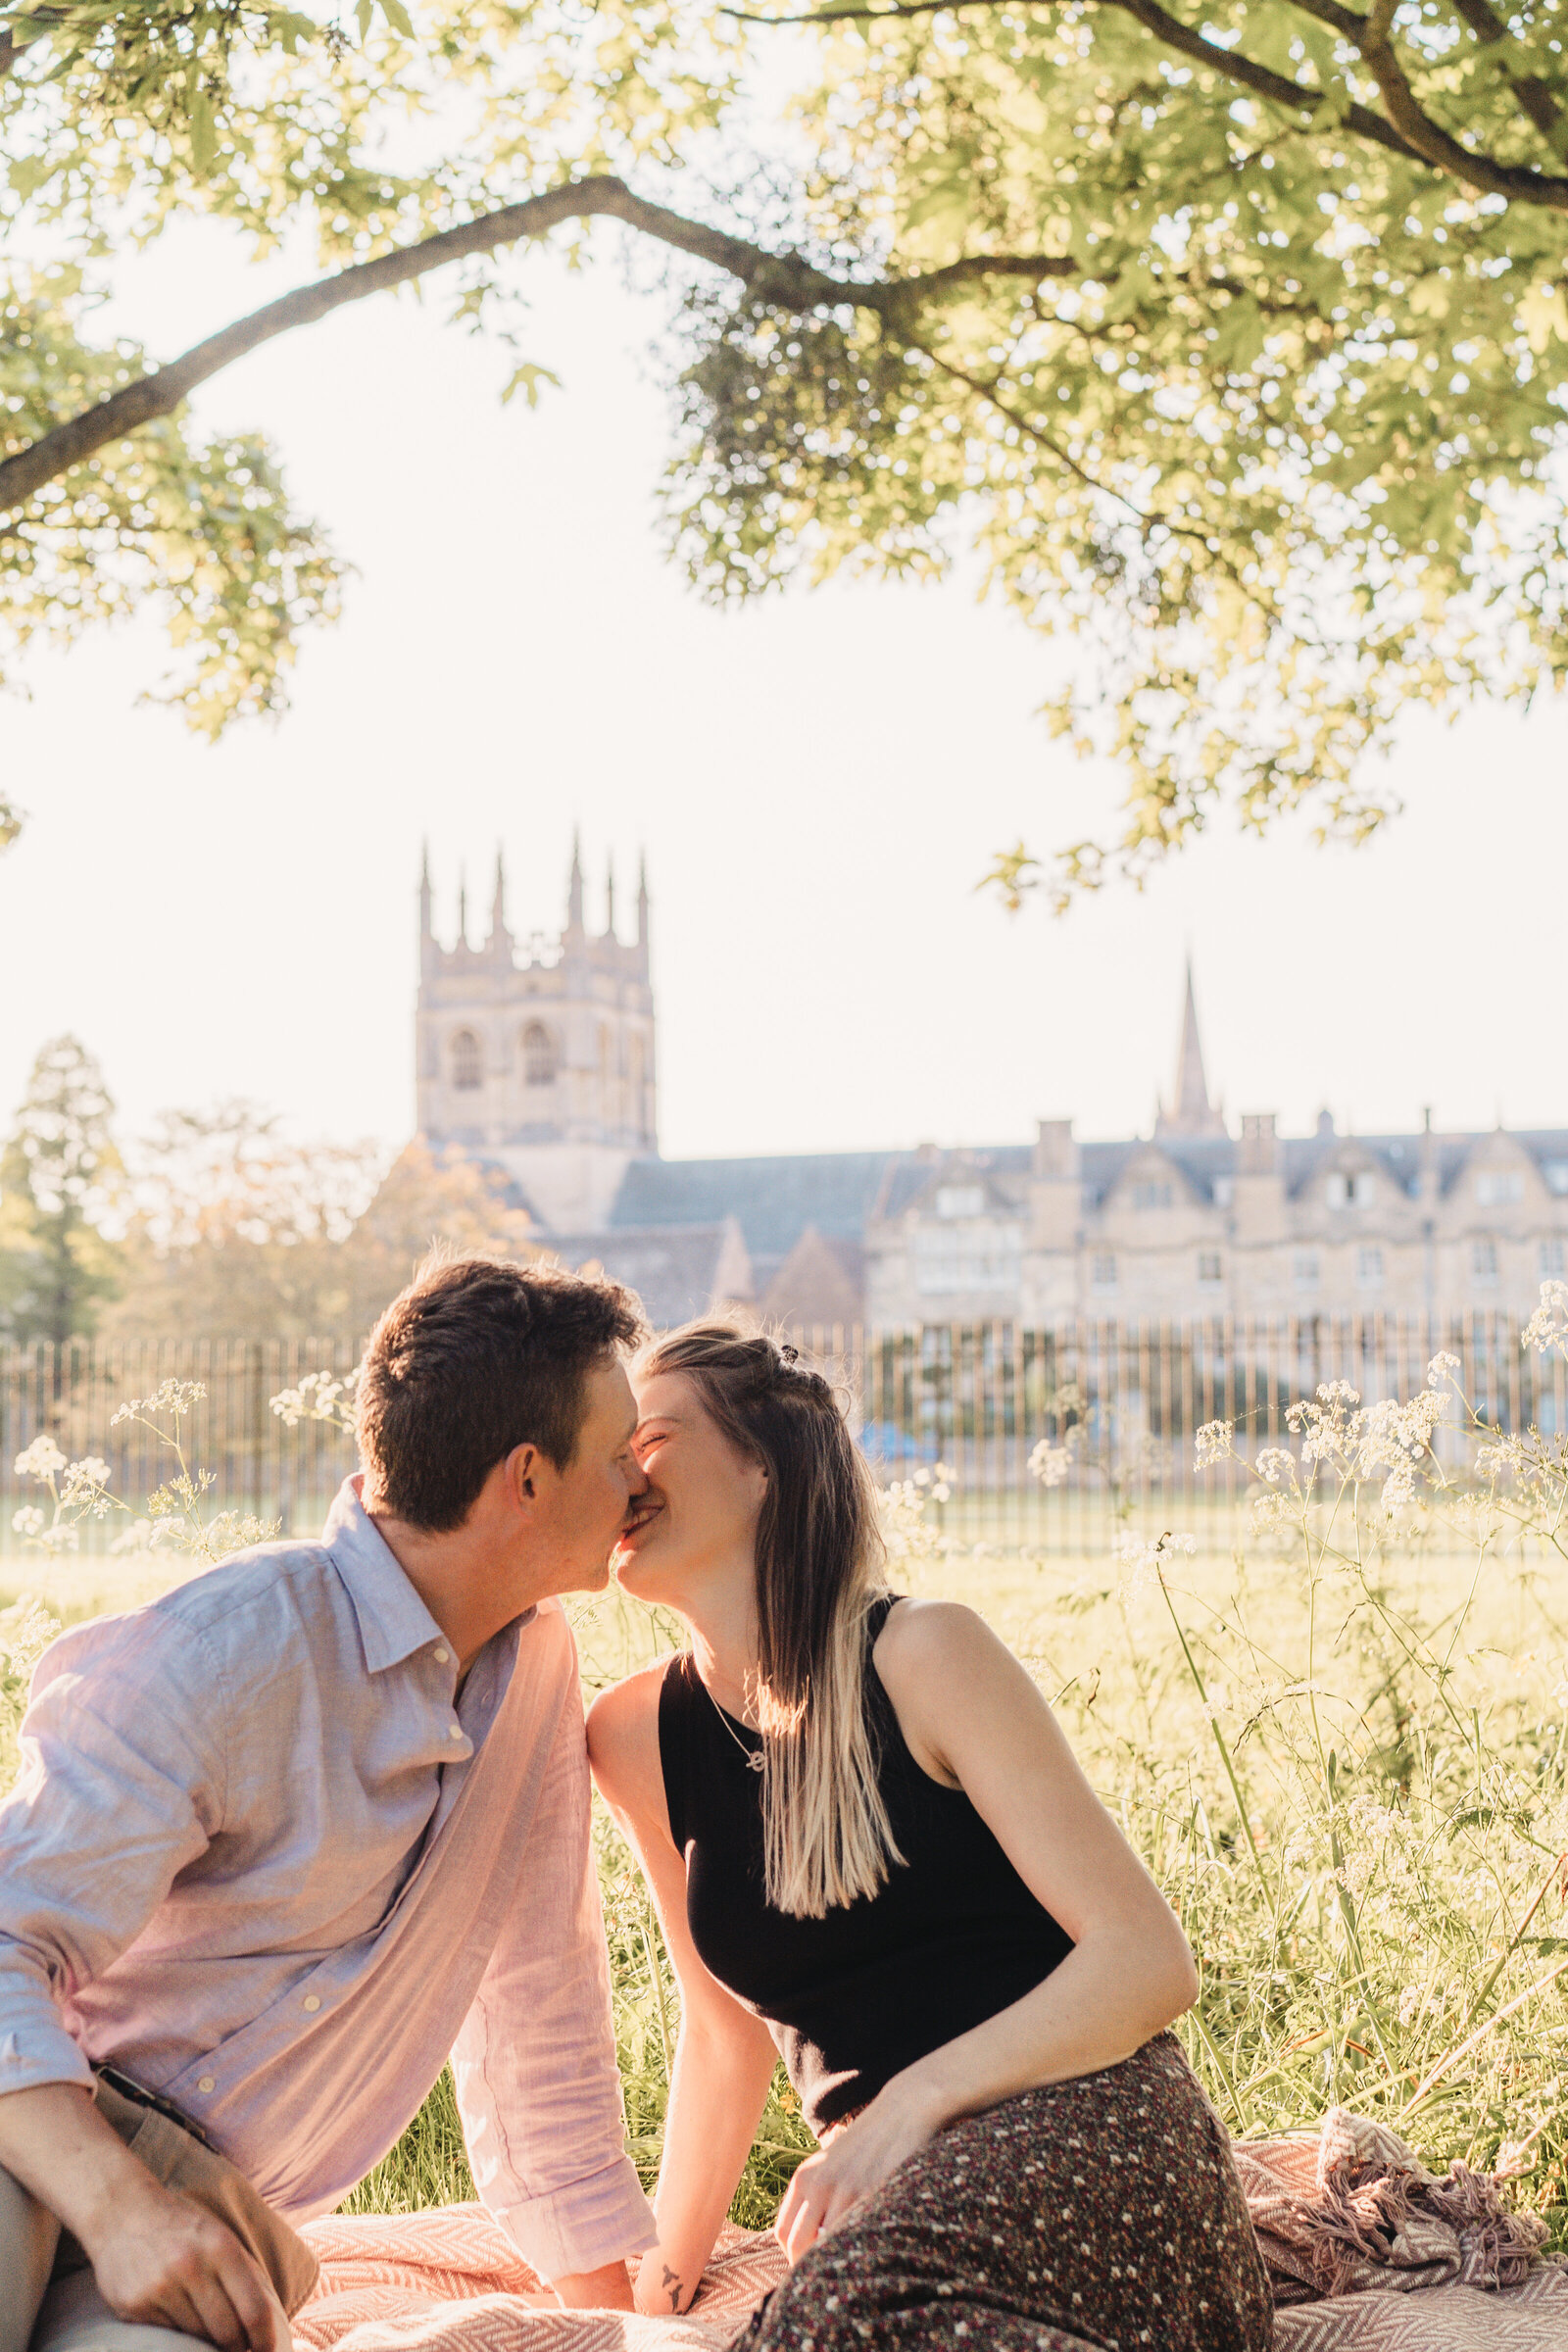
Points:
point(1055, 1154)
point(1260, 1153)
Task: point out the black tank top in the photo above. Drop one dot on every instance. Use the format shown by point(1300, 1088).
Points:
point(952, 1936)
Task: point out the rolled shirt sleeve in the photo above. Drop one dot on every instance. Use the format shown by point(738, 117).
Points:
point(120, 1788)
point(538, 2087)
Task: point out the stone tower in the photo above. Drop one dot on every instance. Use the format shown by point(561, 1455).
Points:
point(538, 1055)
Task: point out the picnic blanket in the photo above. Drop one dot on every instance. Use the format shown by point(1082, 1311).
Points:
point(1368, 2252)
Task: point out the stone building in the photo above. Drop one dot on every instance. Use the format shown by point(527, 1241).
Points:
point(539, 1057)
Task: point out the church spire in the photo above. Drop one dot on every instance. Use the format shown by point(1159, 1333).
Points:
point(1190, 1113)
point(424, 891)
point(499, 937)
point(642, 904)
point(574, 885)
point(463, 905)
point(609, 897)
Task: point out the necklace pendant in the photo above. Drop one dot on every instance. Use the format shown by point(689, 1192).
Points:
point(754, 1761)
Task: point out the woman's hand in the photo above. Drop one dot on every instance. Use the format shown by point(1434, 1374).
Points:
point(857, 2160)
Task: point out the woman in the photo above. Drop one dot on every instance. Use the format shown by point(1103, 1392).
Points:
point(872, 1853)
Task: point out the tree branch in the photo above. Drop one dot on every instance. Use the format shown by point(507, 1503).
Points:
point(785, 278)
point(1232, 62)
point(1429, 139)
point(1409, 131)
point(1534, 95)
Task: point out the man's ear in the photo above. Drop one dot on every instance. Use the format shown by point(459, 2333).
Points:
point(522, 1473)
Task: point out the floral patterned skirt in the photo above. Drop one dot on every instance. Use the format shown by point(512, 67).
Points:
point(1102, 2212)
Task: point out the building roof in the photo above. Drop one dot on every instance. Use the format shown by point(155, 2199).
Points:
point(676, 1271)
point(772, 1200)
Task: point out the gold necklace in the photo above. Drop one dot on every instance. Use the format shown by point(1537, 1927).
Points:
point(754, 1755)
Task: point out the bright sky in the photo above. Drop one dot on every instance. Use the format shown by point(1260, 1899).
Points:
point(819, 782)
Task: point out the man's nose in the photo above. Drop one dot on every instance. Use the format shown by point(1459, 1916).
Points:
point(636, 1478)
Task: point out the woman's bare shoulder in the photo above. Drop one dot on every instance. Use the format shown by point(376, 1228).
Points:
point(623, 1734)
point(922, 1638)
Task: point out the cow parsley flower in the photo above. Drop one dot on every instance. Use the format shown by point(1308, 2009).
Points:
point(1050, 1464)
point(1548, 1327)
point(42, 1459)
point(1276, 1466)
point(1213, 1444)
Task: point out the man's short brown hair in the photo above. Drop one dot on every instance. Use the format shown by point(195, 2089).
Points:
point(476, 1357)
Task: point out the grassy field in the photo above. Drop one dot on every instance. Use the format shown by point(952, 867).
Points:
point(1348, 1774)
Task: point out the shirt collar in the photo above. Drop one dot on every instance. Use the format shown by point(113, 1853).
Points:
point(393, 1620)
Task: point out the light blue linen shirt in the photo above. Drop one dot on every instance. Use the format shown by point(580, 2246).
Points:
point(261, 1858)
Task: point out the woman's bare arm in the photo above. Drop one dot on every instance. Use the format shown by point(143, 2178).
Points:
point(973, 1719)
point(725, 2056)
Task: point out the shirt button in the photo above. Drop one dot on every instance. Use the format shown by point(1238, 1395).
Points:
point(207, 2083)
point(442, 1656)
point(311, 2001)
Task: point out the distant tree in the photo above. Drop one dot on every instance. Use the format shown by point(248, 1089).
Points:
point(61, 1185)
point(240, 1231)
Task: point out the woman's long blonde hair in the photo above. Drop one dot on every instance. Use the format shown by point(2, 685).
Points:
point(827, 1836)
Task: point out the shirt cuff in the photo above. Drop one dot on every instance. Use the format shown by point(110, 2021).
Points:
point(34, 2054)
point(604, 2217)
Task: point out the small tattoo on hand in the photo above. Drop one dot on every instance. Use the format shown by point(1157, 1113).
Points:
point(672, 2286)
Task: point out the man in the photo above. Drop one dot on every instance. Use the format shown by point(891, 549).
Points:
point(287, 1837)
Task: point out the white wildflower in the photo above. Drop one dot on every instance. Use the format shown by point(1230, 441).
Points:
point(29, 1522)
point(320, 1397)
point(1213, 1444)
point(1548, 1327)
point(1140, 1560)
point(1443, 1367)
point(26, 1629)
point(176, 1397)
point(1398, 1488)
point(1276, 1466)
point(41, 1459)
point(1050, 1464)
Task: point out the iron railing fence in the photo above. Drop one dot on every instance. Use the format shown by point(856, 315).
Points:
point(977, 1397)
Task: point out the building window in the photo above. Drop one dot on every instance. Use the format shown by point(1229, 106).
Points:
point(1369, 1269)
point(1102, 1270)
point(1496, 1187)
point(1552, 1259)
point(1157, 1193)
point(1306, 1270)
point(1347, 1191)
point(961, 1201)
point(1209, 1268)
point(1556, 1175)
point(538, 1055)
point(986, 1257)
point(467, 1069)
point(1224, 1191)
point(1484, 1261)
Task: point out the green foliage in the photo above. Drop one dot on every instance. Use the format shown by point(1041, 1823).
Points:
point(201, 532)
point(1256, 413)
point(60, 1177)
point(1269, 453)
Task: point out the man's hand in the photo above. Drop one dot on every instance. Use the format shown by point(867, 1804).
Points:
point(156, 2257)
point(169, 2262)
point(608, 2289)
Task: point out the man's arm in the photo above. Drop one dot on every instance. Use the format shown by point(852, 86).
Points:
point(118, 1790)
point(538, 2086)
point(156, 2258)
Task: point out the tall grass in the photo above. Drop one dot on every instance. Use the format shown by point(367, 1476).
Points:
point(1342, 1746)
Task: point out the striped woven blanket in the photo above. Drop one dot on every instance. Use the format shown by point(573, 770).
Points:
point(1368, 2252)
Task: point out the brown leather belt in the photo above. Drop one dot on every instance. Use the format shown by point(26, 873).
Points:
point(130, 2089)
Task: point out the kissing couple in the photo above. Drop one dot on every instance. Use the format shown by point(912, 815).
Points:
point(290, 1838)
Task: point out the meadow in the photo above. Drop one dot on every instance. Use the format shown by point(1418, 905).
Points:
point(1338, 1737)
